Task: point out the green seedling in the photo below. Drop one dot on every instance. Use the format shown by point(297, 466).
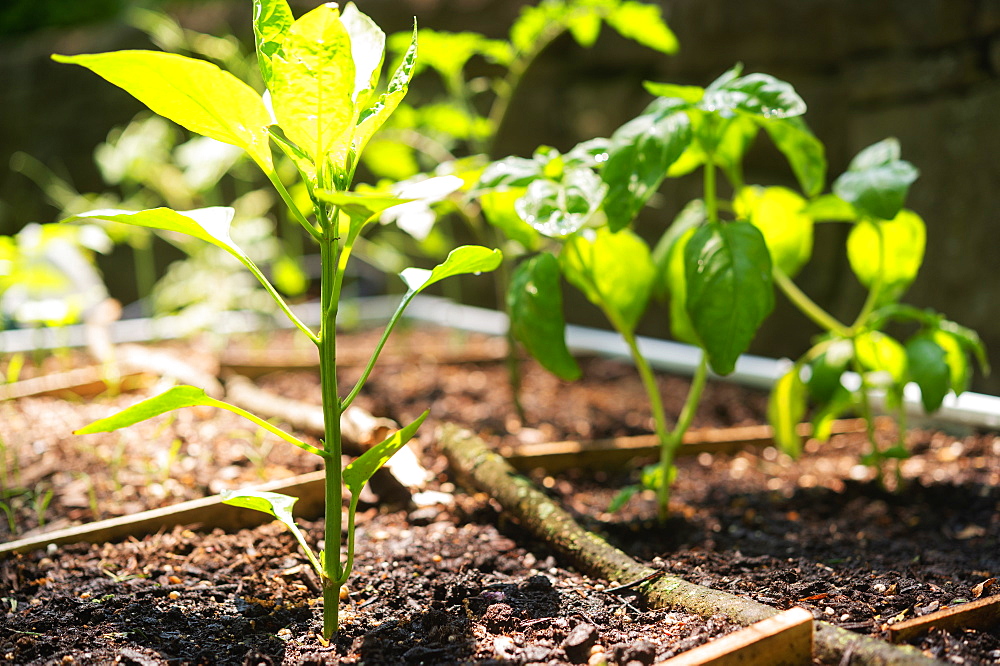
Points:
point(320, 108)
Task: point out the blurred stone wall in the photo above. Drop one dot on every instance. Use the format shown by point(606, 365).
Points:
point(925, 71)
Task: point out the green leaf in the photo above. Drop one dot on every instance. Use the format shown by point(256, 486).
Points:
point(877, 181)
point(760, 95)
point(585, 29)
point(729, 289)
point(778, 213)
point(785, 410)
point(928, 367)
point(559, 208)
point(271, 20)
point(641, 152)
point(613, 270)
point(273, 504)
point(622, 497)
point(804, 152)
point(879, 354)
point(357, 474)
point(375, 116)
point(534, 302)
point(888, 251)
point(461, 260)
point(643, 23)
point(179, 397)
point(193, 93)
point(312, 85)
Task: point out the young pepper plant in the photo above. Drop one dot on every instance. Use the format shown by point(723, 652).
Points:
point(718, 272)
point(320, 108)
point(849, 363)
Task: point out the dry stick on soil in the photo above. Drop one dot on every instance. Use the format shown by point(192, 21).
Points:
point(485, 470)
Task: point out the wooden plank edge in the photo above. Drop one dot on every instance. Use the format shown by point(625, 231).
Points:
point(309, 488)
point(785, 639)
point(555, 456)
point(979, 614)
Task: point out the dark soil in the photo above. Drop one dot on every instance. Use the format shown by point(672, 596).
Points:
point(455, 582)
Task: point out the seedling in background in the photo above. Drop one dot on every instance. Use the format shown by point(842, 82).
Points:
point(455, 132)
point(719, 272)
point(320, 109)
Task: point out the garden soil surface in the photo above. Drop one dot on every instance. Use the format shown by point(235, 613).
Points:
point(448, 579)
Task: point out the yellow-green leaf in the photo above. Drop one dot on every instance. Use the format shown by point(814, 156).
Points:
point(889, 251)
point(192, 93)
point(778, 213)
point(312, 87)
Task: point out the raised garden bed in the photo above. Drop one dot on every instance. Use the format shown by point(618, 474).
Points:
point(446, 576)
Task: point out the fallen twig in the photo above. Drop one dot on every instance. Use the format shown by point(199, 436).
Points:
point(485, 470)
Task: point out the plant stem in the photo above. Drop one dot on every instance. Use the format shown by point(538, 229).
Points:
point(332, 572)
point(668, 450)
point(711, 202)
point(659, 420)
point(809, 308)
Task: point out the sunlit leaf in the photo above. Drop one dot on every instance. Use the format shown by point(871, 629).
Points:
point(778, 213)
point(372, 118)
point(759, 95)
point(785, 410)
point(959, 372)
point(681, 327)
point(271, 20)
point(312, 85)
point(208, 224)
point(498, 209)
point(888, 251)
point(534, 301)
point(804, 152)
point(614, 271)
point(643, 23)
point(461, 260)
point(877, 181)
point(357, 474)
point(559, 208)
point(193, 93)
point(729, 289)
point(640, 153)
point(367, 50)
point(274, 504)
point(180, 397)
point(879, 353)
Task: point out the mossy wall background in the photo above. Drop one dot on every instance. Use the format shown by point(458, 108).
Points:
point(925, 71)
